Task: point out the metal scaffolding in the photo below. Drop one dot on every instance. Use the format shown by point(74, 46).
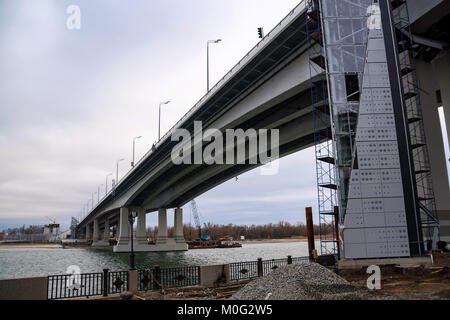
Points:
point(323, 135)
point(407, 53)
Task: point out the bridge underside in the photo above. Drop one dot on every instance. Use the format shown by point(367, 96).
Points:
point(271, 90)
point(178, 185)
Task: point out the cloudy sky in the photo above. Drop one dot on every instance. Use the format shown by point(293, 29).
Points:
point(71, 101)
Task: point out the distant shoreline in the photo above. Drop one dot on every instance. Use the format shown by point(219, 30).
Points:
point(58, 246)
point(30, 246)
point(290, 240)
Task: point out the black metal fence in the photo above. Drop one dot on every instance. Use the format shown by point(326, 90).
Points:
point(243, 270)
point(300, 260)
point(158, 278)
point(254, 269)
point(86, 284)
point(117, 282)
point(97, 284)
point(145, 280)
point(271, 265)
point(74, 285)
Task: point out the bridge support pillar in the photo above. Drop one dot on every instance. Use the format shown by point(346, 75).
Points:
point(104, 241)
point(162, 227)
point(88, 232)
point(163, 242)
point(117, 230)
point(141, 232)
point(96, 230)
point(178, 223)
point(123, 245)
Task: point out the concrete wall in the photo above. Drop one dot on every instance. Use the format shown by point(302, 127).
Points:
point(211, 276)
point(24, 289)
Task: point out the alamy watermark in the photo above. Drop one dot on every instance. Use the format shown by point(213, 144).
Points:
point(232, 147)
point(73, 22)
point(374, 19)
point(74, 281)
point(374, 281)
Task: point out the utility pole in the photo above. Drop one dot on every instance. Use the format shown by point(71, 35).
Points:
point(106, 183)
point(134, 147)
point(159, 122)
point(117, 170)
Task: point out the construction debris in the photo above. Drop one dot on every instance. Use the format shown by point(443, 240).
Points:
point(305, 282)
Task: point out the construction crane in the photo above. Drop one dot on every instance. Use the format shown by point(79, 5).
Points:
point(52, 220)
point(195, 212)
point(54, 227)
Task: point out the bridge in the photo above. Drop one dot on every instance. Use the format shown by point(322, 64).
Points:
point(270, 88)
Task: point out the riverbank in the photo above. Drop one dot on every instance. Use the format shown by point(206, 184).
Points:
point(289, 240)
point(30, 246)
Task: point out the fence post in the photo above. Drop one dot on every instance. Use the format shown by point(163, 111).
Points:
point(289, 260)
point(260, 267)
point(157, 277)
point(132, 281)
point(105, 282)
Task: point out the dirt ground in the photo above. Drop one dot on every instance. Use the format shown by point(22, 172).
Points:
point(398, 282)
point(412, 283)
point(192, 293)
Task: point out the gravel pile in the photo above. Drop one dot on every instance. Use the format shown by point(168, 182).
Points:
point(308, 281)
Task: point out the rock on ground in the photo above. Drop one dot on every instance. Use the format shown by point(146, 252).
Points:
point(309, 281)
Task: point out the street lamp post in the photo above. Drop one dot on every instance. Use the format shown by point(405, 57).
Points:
point(106, 184)
point(207, 60)
point(134, 147)
point(131, 219)
point(93, 199)
point(159, 123)
point(117, 170)
point(98, 193)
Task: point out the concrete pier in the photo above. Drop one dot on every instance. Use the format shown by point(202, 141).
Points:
point(123, 244)
point(104, 241)
point(163, 242)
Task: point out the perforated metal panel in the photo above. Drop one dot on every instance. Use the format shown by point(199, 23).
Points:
point(371, 187)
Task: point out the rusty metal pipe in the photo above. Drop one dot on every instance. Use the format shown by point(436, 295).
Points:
point(310, 232)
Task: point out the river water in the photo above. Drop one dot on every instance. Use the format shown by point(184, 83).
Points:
point(19, 263)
